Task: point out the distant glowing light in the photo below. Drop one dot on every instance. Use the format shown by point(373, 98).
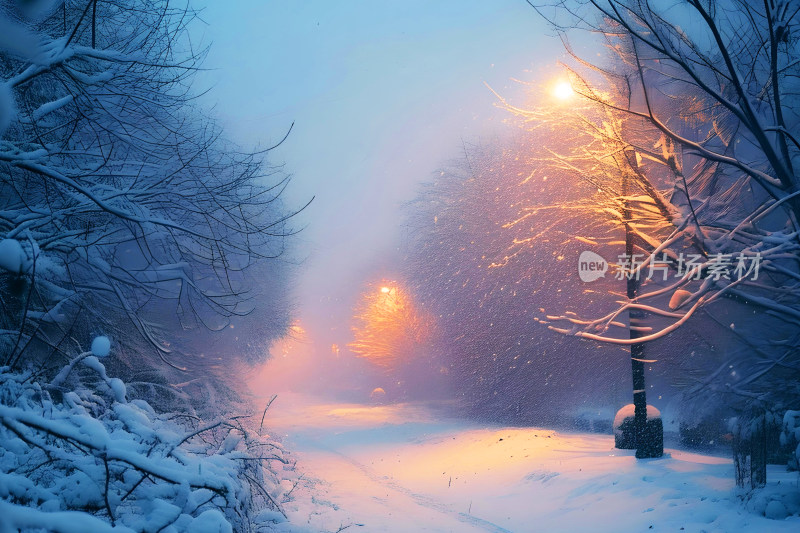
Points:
point(563, 90)
point(388, 327)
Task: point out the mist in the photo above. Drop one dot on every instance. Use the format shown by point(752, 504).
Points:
point(380, 97)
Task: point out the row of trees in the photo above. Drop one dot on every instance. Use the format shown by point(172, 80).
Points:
point(126, 217)
point(123, 208)
point(684, 133)
point(485, 274)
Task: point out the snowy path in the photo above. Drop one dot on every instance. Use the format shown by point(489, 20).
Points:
point(375, 501)
point(399, 498)
point(397, 469)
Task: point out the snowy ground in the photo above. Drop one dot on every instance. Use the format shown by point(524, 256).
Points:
point(400, 469)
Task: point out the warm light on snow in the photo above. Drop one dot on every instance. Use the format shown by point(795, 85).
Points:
point(401, 467)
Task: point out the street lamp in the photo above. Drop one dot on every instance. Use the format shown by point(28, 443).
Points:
point(648, 437)
point(563, 90)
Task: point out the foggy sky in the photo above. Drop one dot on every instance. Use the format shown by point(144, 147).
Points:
point(381, 94)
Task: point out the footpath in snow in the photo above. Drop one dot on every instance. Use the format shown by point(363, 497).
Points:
point(399, 469)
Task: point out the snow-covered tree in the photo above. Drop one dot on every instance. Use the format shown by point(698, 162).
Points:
point(693, 107)
point(487, 250)
point(119, 202)
point(701, 107)
point(123, 211)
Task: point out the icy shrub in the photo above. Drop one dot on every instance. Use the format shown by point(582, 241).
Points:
point(79, 456)
point(750, 447)
point(790, 437)
point(775, 501)
point(378, 395)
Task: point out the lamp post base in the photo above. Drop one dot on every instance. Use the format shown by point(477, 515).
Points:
point(652, 445)
point(652, 442)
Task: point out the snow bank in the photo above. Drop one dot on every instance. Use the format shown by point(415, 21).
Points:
point(16, 517)
point(78, 456)
point(778, 500)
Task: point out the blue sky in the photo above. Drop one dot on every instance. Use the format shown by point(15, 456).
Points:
point(381, 94)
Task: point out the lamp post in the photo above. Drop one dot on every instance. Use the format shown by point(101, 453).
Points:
point(648, 436)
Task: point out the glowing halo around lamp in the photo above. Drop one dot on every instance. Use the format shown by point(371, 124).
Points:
point(563, 90)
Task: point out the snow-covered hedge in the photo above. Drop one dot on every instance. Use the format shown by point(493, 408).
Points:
point(78, 456)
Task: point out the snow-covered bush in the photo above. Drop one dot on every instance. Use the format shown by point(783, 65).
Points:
point(594, 419)
point(79, 456)
point(790, 437)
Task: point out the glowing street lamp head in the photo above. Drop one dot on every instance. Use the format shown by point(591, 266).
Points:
point(562, 90)
point(385, 290)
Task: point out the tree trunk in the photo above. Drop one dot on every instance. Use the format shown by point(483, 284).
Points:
point(750, 453)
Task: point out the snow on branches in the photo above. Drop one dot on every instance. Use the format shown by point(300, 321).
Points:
point(79, 456)
point(687, 131)
point(116, 193)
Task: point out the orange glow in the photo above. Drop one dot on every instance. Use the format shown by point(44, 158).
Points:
point(297, 331)
point(389, 328)
point(563, 90)
point(288, 343)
